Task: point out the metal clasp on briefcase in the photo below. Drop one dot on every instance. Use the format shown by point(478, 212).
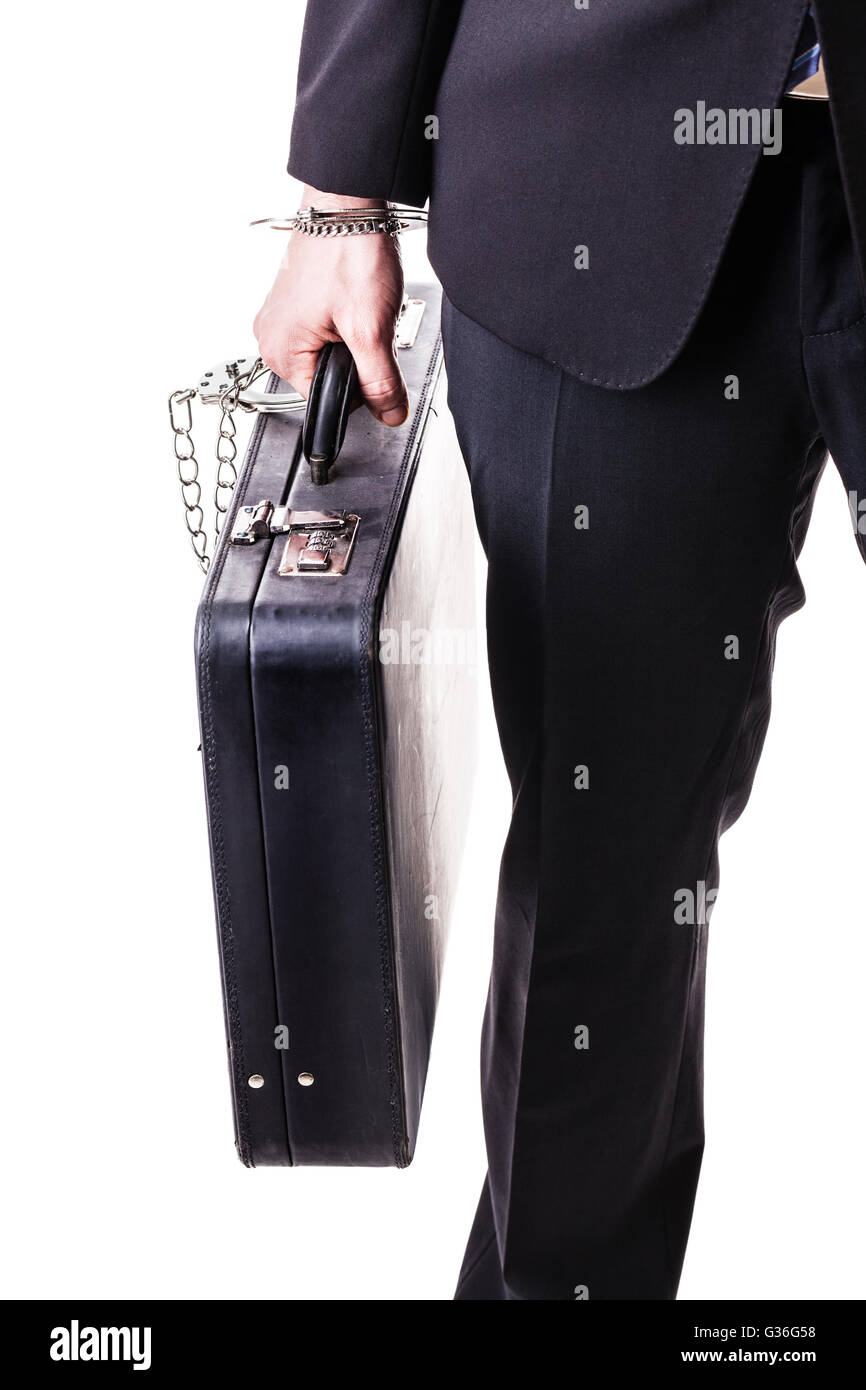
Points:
point(319, 542)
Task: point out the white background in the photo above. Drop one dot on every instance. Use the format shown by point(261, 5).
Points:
point(140, 140)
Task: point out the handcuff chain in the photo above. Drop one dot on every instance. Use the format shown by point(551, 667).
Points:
point(190, 486)
point(180, 415)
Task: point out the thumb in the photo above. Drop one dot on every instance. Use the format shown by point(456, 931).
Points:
point(380, 380)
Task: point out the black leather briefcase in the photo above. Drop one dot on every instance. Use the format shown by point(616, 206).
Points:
point(336, 678)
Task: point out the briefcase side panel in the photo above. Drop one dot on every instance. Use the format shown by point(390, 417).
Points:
point(234, 814)
point(427, 669)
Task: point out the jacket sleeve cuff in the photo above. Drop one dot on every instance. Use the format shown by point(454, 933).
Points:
point(367, 82)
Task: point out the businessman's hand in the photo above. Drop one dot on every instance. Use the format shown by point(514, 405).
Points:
point(331, 288)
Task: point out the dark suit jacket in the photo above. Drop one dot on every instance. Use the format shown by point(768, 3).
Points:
point(556, 130)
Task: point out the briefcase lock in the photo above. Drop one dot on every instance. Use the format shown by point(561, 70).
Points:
point(319, 542)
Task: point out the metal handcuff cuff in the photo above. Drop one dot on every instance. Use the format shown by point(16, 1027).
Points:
point(230, 384)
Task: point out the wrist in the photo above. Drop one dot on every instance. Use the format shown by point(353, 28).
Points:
point(315, 197)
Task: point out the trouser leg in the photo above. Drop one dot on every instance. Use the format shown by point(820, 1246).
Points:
point(642, 550)
point(833, 313)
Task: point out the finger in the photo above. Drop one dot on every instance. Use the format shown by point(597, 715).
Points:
point(379, 378)
point(297, 366)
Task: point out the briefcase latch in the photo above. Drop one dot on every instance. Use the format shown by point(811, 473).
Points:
point(319, 542)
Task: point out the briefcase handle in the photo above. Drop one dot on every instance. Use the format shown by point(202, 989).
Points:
point(330, 401)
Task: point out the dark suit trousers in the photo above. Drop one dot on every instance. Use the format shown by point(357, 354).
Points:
point(642, 550)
